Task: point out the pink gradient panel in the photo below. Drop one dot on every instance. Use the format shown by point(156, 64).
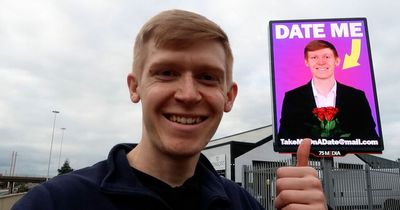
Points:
point(289, 70)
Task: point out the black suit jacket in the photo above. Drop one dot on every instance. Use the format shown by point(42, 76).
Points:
point(354, 113)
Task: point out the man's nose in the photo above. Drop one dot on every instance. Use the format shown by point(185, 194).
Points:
point(188, 91)
point(321, 60)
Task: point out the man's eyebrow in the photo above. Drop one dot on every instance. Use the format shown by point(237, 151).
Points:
point(196, 67)
point(159, 64)
point(210, 67)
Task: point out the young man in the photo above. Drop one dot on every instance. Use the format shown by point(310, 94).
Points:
point(323, 90)
point(182, 75)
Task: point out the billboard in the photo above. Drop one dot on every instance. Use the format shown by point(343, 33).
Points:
point(323, 86)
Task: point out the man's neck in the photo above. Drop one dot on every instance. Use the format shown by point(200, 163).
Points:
point(173, 171)
point(323, 86)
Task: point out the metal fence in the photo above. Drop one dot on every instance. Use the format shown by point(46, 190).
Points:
point(346, 186)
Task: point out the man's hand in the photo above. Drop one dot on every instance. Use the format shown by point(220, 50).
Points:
point(299, 187)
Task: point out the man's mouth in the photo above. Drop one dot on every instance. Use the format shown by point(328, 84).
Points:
point(185, 120)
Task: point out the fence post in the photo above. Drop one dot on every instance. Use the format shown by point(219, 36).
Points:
point(327, 181)
point(369, 186)
point(398, 165)
point(245, 177)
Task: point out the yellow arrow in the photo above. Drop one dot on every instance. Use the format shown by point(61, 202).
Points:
point(352, 59)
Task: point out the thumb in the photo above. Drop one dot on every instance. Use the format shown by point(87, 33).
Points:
point(303, 152)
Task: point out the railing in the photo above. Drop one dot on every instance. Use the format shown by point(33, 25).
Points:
point(346, 186)
point(31, 179)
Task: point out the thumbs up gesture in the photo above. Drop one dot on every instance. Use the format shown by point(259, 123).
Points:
point(299, 187)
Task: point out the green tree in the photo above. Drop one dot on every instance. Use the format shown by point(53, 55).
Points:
point(66, 168)
point(22, 188)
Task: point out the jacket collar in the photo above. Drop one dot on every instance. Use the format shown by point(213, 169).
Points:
point(121, 179)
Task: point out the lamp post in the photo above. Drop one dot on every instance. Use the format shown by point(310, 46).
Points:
point(62, 138)
point(51, 145)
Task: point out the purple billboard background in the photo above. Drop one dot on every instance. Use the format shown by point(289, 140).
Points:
point(290, 71)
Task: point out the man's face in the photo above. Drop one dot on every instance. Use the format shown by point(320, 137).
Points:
point(322, 63)
point(184, 94)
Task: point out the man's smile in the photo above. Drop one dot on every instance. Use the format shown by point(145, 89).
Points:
point(322, 68)
point(185, 120)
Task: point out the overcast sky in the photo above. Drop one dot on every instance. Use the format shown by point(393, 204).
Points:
point(73, 56)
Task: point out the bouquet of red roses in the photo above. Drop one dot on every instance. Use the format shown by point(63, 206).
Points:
point(329, 124)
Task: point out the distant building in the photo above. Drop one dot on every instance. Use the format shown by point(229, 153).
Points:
point(229, 154)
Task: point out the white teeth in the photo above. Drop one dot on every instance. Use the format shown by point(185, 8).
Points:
point(185, 120)
point(198, 120)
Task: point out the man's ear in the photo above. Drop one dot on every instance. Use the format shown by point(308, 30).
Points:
point(230, 97)
point(306, 62)
point(133, 88)
point(337, 61)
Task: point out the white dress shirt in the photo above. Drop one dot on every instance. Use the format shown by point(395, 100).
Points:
point(324, 101)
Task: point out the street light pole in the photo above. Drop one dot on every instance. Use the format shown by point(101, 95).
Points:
point(51, 145)
point(59, 155)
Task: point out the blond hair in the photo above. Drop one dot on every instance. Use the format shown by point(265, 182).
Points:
point(179, 29)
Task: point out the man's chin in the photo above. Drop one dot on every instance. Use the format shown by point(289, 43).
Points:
point(183, 152)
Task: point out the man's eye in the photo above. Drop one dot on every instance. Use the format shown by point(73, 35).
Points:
point(166, 74)
point(209, 78)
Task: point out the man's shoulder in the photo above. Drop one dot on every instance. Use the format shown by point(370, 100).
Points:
point(231, 186)
point(301, 91)
point(67, 189)
point(79, 180)
point(239, 196)
point(347, 87)
point(222, 187)
point(348, 90)
point(92, 174)
point(301, 88)
point(72, 190)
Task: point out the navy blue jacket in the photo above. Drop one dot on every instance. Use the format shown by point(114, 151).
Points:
point(112, 184)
